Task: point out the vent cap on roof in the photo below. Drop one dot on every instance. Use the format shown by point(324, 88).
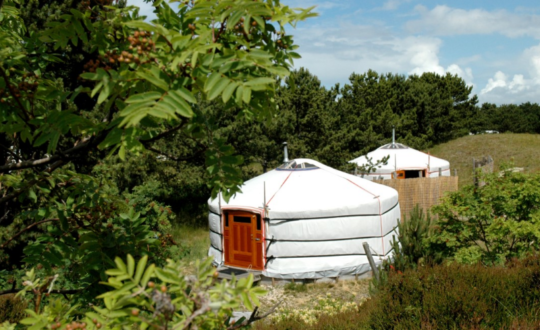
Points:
point(297, 165)
point(394, 146)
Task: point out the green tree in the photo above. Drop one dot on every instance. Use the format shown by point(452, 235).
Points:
point(140, 82)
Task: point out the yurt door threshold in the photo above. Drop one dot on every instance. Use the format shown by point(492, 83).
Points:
point(243, 238)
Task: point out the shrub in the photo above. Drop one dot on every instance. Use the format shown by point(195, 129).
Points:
point(135, 301)
point(491, 223)
point(459, 297)
point(410, 248)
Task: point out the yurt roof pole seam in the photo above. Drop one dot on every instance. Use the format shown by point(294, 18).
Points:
point(287, 178)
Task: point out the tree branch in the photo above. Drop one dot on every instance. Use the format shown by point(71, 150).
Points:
point(61, 155)
point(31, 183)
point(164, 134)
point(26, 229)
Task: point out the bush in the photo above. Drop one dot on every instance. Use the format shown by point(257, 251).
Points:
point(492, 223)
point(410, 248)
point(134, 301)
point(11, 308)
point(459, 297)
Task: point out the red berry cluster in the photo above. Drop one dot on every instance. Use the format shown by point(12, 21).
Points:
point(140, 45)
point(28, 86)
point(91, 66)
point(71, 326)
point(98, 325)
point(281, 43)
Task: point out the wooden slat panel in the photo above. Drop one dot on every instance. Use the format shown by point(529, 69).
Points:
point(427, 192)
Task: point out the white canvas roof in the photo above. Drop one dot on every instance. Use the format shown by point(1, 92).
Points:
point(316, 221)
point(404, 158)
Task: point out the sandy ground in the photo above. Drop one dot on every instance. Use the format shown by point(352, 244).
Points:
point(298, 296)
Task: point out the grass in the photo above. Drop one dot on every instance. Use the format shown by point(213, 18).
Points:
point(193, 241)
point(521, 148)
point(304, 305)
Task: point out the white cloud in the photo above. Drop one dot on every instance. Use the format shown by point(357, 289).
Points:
point(392, 4)
point(499, 80)
point(501, 89)
point(334, 53)
point(443, 20)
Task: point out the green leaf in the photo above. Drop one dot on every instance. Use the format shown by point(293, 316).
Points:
point(246, 301)
point(182, 107)
point(158, 82)
point(229, 90)
point(114, 137)
point(186, 95)
point(166, 276)
point(32, 195)
point(260, 81)
point(120, 264)
point(218, 88)
point(212, 80)
point(147, 274)
point(130, 265)
point(144, 97)
point(239, 94)
point(246, 96)
point(141, 265)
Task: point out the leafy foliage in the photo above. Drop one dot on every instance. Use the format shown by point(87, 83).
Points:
point(458, 296)
point(491, 223)
point(179, 301)
point(83, 80)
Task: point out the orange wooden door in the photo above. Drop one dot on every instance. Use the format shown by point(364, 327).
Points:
point(400, 175)
point(243, 240)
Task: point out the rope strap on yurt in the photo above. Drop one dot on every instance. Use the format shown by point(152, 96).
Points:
point(323, 255)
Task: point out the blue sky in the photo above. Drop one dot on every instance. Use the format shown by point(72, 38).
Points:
point(493, 45)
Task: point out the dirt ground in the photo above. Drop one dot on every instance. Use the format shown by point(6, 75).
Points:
point(299, 296)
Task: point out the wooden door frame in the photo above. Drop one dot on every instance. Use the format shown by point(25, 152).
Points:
point(225, 211)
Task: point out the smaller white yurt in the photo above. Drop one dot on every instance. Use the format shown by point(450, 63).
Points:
point(304, 220)
point(403, 163)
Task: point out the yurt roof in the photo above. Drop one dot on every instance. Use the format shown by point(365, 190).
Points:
point(402, 157)
point(305, 188)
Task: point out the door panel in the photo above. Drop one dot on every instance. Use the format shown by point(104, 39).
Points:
point(243, 240)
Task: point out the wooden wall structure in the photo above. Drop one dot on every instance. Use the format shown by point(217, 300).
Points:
point(426, 192)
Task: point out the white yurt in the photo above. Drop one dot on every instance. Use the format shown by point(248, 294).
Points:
point(403, 163)
point(304, 220)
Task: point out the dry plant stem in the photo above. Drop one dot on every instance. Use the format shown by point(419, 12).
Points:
point(254, 317)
